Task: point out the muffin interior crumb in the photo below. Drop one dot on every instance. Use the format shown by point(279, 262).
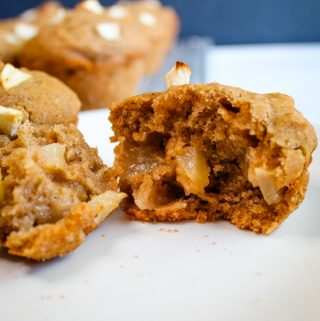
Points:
point(187, 154)
point(163, 168)
point(46, 171)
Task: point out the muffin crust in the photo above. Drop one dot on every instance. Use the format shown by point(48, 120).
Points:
point(44, 99)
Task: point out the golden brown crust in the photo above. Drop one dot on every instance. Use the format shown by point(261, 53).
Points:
point(51, 240)
point(258, 147)
point(45, 99)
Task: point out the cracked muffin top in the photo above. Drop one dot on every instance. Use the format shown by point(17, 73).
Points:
point(54, 190)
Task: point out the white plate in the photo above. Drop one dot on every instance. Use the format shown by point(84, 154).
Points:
point(127, 270)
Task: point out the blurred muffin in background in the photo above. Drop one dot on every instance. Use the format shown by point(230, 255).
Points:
point(10, 44)
point(160, 24)
point(14, 33)
point(101, 59)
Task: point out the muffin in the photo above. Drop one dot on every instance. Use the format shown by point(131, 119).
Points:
point(49, 12)
point(42, 98)
point(208, 152)
point(102, 60)
point(54, 189)
point(15, 32)
point(159, 23)
point(9, 43)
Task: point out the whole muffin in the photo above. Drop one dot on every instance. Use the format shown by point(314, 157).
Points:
point(207, 152)
point(15, 32)
point(100, 59)
point(159, 23)
point(42, 98)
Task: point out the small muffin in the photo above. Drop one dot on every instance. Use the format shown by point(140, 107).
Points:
point(42, 98)
point(99, 58)
point(208, 152)
point(159, 23)
point(15, 32)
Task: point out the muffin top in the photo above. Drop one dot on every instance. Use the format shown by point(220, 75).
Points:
point(50, 12)
point(41, 98)
point(157, 21)
point(15, 32)
point(87, 34)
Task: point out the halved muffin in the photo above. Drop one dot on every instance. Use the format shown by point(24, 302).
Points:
point(101, 59)
point(206, 152)
point(54, 190)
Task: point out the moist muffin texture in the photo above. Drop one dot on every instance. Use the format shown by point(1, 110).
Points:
point(206, 152)
point(54, 190)
point(99, 58)
point(159, 23)
point(43, 99)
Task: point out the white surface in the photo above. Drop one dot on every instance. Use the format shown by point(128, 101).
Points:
point(127, 270)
